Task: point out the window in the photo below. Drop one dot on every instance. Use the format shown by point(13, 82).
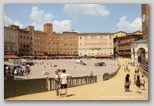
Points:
point(80, 37)
point(110, 37)
point(5, 48)
point(93, 37)
point(11, 48)
point(5, 34)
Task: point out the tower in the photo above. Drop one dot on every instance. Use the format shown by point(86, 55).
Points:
point(145, 21)
point(48, 27)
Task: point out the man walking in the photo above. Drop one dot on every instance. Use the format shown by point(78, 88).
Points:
point(63, 79)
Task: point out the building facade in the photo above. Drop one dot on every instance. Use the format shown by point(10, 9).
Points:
point(91, 44)
point(65, 43)
point(11, 40)
point(119, 34)
point(40, 43)
point(24, 42)
point(123, 44)
point(139, 49)
point(27, 41)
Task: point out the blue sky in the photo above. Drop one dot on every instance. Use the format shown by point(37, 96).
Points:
point(79, 17)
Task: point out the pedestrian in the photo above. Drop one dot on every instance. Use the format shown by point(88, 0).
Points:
point(143, 82)
point(91, 73)
point(57, 82)
point(135, 75)
point(127, 83)
point(128, 69)
point(138, 84)
point(63, 80)
point(7, 70)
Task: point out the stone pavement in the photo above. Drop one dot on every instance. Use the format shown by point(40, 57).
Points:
point(112, 89)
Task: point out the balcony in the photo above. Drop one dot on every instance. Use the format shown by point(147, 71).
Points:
point(11, 43)
point(10, 51)
point(124, 53)
point(26, 45)
point(126, 42)
point(128, 48)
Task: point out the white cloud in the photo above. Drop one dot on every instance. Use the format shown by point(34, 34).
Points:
point(74, 10)
point(60, 26)
point(9, 21)
point(40, 17)
point(36, 15)
point(125, 25)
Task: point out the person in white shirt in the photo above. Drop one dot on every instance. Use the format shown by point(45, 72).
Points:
point(63, 80)
point(143, 82)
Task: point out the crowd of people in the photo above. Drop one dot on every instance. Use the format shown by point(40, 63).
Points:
point(16, 70)
point(139, 81)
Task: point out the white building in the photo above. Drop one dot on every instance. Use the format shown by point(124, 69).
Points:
point(92, 44)
point(139, 51)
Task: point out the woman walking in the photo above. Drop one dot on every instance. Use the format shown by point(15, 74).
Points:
point(138, 84)
point(135, 74)
point(127, 83)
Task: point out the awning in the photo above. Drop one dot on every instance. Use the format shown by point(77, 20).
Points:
point(42, 57)
point(11, 56)
point(27, 56)
point(105, 56)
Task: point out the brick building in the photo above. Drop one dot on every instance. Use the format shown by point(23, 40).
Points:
point(11, 40)
point(24, 42)
point(40, 43)
point(122, 45)
point(65, 43)
point(27, 41)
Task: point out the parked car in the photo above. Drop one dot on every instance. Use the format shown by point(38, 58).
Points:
point(28, 63)
point(100, 64)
